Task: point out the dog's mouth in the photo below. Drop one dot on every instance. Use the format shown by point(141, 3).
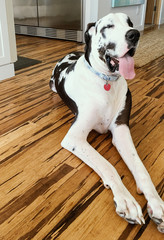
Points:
point(123, 64)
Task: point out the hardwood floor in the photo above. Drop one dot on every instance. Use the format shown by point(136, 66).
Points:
point(45, 191)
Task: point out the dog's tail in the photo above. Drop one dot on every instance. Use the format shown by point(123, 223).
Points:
point(52, 82)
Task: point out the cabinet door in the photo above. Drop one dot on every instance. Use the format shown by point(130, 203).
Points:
point(4, 38)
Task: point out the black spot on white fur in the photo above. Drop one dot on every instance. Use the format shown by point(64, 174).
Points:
point(88, 40)
point(59, 83)
point(124, 116)
point(129, 22)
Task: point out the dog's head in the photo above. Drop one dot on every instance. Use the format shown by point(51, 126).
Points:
point(113, 40)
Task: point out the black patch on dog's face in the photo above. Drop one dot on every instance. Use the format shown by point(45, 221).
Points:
point(111, 46)
point(105, 58)
point(131, 52)
point(129, 22)
point(124, 116)
point(101, 55)
point(102, 50)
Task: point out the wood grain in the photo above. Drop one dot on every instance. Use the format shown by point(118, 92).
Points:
point(45, 191)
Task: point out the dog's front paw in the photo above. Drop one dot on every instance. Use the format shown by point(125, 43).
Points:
point(129, 209)
point(155, 208)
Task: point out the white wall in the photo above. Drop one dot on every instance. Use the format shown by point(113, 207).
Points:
point(90, 12)
point(161, 20)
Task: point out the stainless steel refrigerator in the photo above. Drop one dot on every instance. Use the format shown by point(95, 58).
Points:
point(49, 18)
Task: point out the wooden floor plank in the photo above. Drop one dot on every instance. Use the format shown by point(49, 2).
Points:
point(45, 191)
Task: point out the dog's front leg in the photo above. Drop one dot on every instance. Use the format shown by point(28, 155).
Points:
point(124, 144)
point(76, 142)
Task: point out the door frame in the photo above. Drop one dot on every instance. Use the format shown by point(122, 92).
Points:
point(157, 13)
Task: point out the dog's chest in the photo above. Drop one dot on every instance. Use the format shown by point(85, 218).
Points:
point(107, 107)
point(92, 100)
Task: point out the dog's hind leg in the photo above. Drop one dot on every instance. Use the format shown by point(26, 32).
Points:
point(124, 144)
point(76, 142)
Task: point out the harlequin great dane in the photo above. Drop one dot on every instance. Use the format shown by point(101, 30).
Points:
point(93, 86)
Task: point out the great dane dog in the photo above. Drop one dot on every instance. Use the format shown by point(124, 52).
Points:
point(93, 86)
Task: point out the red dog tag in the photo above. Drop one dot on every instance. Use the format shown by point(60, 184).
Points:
point(107, 87)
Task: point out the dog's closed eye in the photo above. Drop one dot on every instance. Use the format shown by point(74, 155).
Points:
point(106, 27)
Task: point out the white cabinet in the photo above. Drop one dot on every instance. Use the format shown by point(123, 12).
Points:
point(8, 54)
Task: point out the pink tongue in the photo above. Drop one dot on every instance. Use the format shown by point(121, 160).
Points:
point(126, 67)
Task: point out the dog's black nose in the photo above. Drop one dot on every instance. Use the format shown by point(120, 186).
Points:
point(132, 36)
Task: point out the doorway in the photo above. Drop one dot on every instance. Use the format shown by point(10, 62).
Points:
point(153, 9)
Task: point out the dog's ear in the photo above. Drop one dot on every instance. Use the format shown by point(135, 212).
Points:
point(89, 32)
